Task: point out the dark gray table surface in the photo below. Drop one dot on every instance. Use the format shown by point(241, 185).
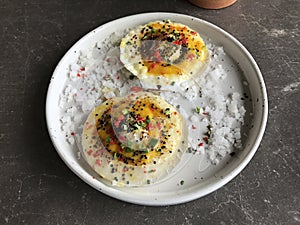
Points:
point(36, 187)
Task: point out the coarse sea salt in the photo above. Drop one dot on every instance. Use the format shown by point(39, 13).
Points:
point(214, 119)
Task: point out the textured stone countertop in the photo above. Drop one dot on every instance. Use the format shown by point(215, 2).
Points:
point(38, 188)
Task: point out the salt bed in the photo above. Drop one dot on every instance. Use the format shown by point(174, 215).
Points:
point(214, 118)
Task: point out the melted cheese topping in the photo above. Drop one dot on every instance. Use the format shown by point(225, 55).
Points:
point(134, 140)
point(170, 51)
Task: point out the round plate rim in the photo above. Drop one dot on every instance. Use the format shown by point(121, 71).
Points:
point(113, 192)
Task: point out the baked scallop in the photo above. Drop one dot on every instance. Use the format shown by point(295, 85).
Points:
point(163, 52)
point(133, 140)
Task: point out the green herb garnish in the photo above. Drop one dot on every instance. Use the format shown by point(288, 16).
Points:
point(142, 124)
point(167, 111)
point(136, 126)
point(153, 142)
point(127, 149)
point(148, 119)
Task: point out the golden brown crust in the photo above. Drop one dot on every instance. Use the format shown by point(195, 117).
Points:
point(126, 164)
point(170, 51)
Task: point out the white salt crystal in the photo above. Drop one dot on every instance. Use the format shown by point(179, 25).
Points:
point(194, 119)
point(75, 67)
point(109, 94)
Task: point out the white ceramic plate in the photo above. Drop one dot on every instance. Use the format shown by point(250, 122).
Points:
point(197, 183)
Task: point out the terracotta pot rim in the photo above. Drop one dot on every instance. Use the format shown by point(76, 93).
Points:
point(213, 4)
